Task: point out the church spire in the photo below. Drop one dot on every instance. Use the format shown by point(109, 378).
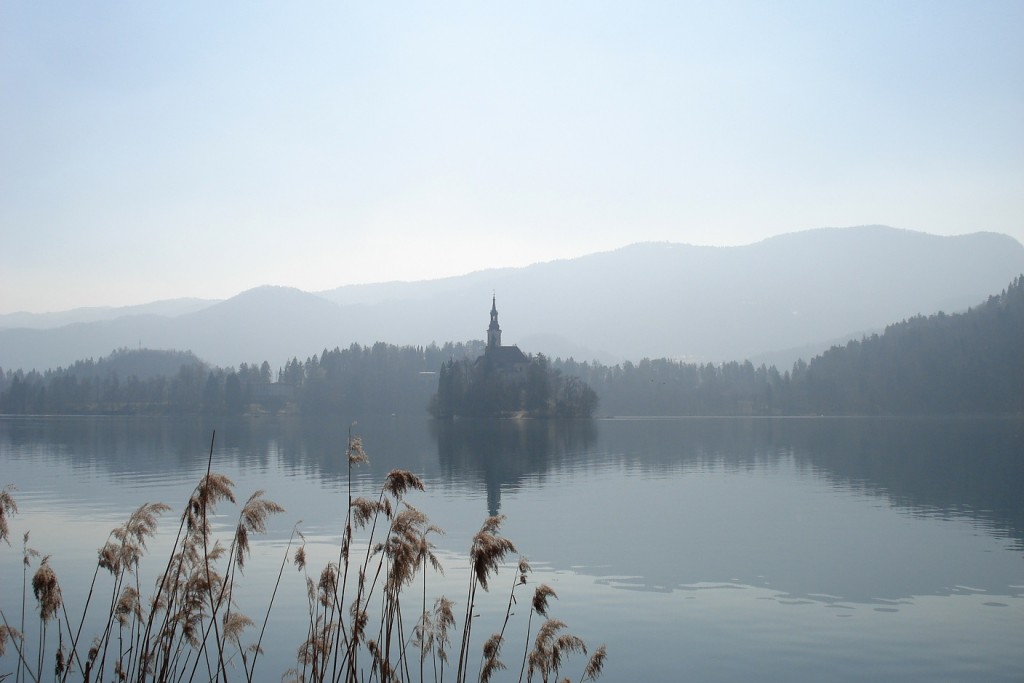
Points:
point(493, 331)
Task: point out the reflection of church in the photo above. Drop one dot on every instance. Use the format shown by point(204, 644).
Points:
point(506, 359)
point(501, 454)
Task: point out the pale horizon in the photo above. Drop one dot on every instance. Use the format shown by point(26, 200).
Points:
point(231, 294)
point(153, 153)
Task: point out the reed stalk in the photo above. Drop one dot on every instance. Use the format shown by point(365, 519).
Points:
point(191, 628)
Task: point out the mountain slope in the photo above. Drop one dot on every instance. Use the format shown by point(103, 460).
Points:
point(654, 300)
point(266, 323)
point(717, 303)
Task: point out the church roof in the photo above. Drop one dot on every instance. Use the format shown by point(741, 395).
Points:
point(506, 355)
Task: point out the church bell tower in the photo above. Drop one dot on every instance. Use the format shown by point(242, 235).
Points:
point(493, 331)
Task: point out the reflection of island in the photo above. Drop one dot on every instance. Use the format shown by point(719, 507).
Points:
point(965, 470)
point(962, 467)
point(504, 452)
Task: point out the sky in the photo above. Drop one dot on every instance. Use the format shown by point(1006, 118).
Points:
point(151, 151)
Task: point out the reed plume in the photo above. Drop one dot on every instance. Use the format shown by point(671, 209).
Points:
point(46, 588)
point(212, 489)
point(485, 556)
point(128, 605)
point(328, 584)
point(183, 631)
point(540, 599)
point(523, 568)
point(595, 665)
point(492, 649)
point(488, 550)
point(399, 481)
point(132, 535)
point(549, 648)
point(233, 625)
point(5, 633)
point(61, 663)
point(8, 507)
point(539, 605)
point(444, 621)
point(364, 510)
point(252, 520)
point(356, 454)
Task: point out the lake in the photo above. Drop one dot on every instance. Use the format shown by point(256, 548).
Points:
point(790, 549)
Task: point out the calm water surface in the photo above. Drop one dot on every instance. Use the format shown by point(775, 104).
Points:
point(696, 549)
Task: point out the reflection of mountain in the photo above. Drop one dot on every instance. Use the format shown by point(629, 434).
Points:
point(504, 452)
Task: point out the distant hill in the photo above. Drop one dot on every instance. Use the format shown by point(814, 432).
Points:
point(46, 321)
point(266, 323)
point(798, 291)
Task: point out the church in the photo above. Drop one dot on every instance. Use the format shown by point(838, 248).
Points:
point(505, 382)
point(508, 360)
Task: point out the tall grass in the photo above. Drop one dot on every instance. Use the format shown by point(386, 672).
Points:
point(368, 614)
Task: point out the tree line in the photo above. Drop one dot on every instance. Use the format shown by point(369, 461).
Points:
point(970, 362)
point(382, 378)
point(965, 363)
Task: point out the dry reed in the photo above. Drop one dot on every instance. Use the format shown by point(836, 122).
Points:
point(190, 628)
point(8, 507)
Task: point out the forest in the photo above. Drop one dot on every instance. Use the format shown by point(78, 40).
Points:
point(943, 364)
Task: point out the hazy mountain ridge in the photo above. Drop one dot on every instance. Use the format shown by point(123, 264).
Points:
point(796, 291)
point(722, 303)
point(45, 321)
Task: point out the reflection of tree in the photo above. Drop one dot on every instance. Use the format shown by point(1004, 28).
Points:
point(955, 466)
point(969, 467)
point(960, 466)
point(162, 445)
point(504, 452)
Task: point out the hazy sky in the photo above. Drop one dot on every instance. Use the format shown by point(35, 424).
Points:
point(158, 150)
